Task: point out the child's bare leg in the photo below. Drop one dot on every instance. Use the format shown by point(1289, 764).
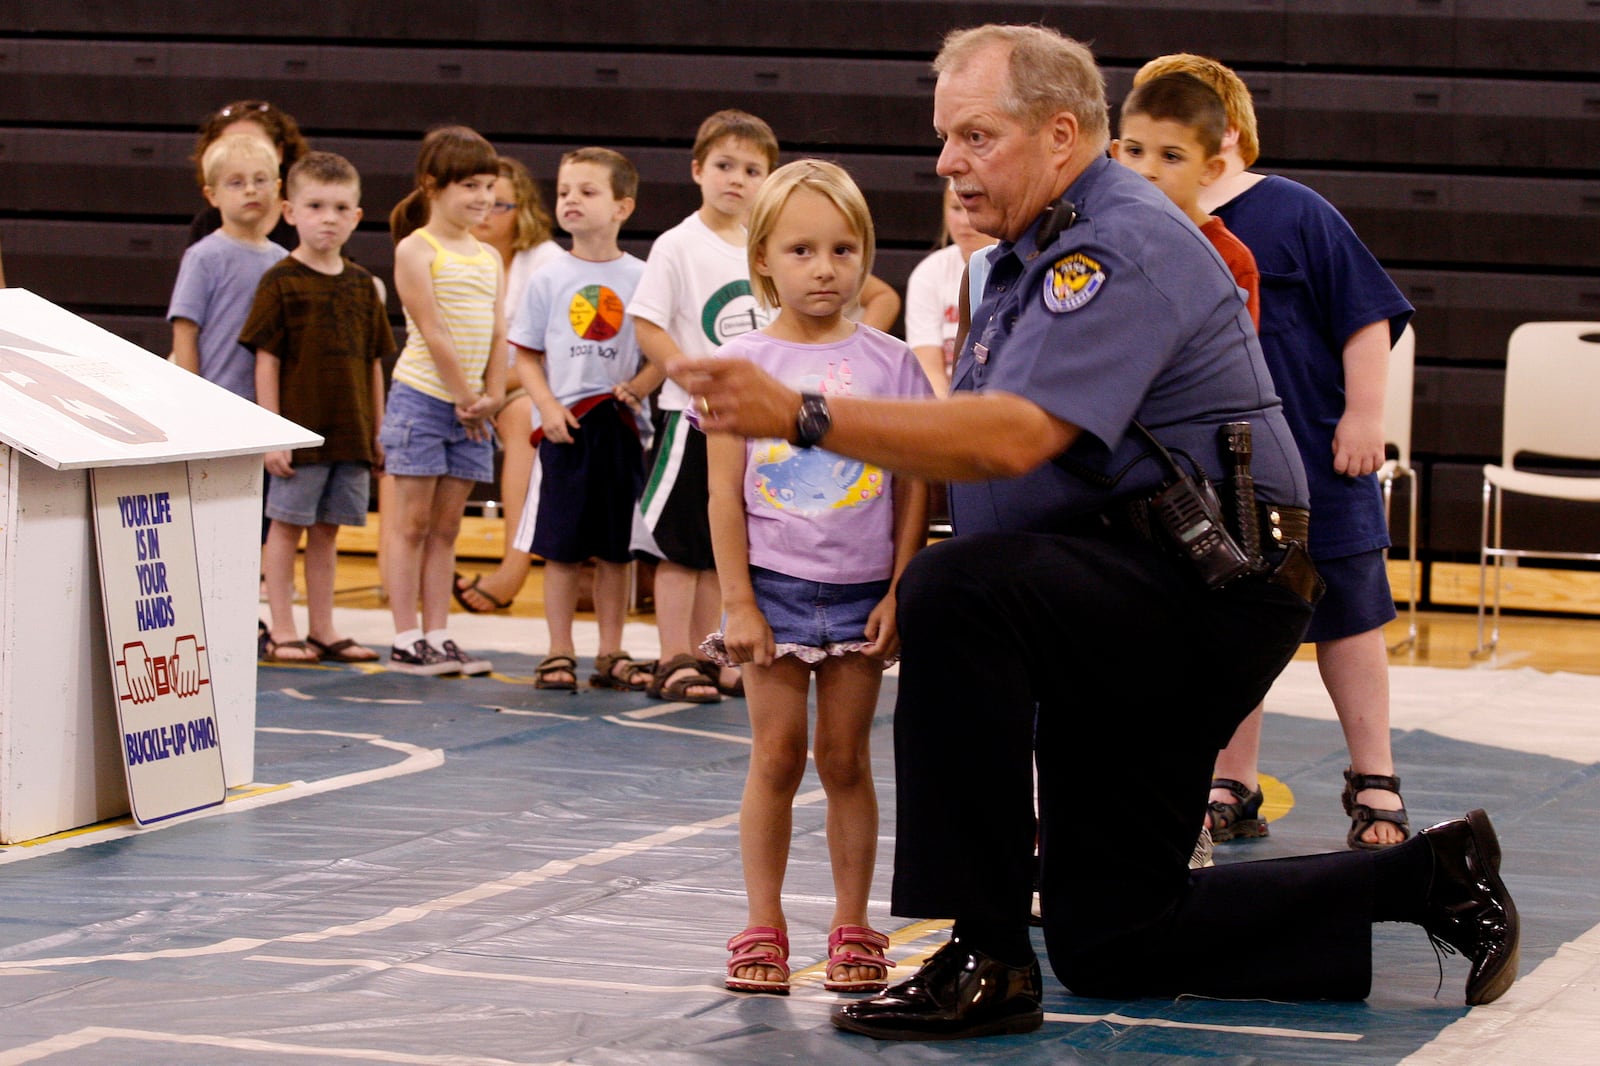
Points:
point(386, 520)
point(1355, 671)
point(676, 592)
point(610, 602)
point(1240, 760)
point(404, 534)
point(611, 609)
point(322, 561)
point(513, 424)
point(777, 696)
point(560, 604)
point(847, 699)
point(277, 560)
point(675, 587)
point(438, 567)
point(707, 619)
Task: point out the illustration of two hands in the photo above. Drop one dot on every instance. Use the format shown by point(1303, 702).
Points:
point(148, 676)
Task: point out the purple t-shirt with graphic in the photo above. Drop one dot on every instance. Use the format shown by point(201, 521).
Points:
point(810, 513)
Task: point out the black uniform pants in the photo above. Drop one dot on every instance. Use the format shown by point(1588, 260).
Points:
point(1125, 675)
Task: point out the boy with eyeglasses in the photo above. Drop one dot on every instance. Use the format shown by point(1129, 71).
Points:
point(218, 276)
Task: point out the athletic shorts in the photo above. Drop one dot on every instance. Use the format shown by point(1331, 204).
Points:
point(1358, 599)
point(581, 495)
point(672, 522)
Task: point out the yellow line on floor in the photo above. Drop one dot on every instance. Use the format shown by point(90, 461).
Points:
point(238, 792)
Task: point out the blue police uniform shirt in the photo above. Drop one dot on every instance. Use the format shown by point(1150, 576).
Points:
point(1129, 313)
point(1319, 285)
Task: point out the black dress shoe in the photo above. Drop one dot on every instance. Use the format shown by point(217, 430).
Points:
point(1468, 908)
point(958, 993)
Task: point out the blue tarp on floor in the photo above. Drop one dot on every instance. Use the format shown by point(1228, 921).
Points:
point(559, 887)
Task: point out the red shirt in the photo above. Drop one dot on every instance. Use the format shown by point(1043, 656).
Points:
point(1240, 262)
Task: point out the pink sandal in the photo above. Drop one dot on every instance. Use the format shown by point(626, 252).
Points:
point(838, 956)
point(744, 951)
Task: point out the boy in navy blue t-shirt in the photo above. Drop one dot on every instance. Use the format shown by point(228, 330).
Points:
point(1329, 315)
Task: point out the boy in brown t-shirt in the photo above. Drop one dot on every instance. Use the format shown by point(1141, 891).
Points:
point(320, 335)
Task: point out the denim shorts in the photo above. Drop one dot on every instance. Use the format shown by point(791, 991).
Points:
point(815, 614)
point(422, 437)
point(334, 493)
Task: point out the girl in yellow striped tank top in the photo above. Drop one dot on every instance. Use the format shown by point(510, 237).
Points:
point(437, 435)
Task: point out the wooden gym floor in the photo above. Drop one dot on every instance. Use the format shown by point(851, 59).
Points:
point(1563, 636)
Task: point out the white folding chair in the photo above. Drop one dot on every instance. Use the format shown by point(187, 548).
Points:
point(1397, 402)
point(1552, 382)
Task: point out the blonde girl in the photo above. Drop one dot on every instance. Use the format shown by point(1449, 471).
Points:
point(437, 435)
point(809, 546)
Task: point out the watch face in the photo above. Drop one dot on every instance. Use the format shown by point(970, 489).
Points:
point(814, 419)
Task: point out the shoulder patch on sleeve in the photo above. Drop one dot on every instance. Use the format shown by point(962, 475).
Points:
point(1072, 282)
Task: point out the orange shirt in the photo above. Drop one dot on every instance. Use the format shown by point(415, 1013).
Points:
point(1240, 262)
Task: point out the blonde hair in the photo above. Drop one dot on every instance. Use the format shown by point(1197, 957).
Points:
point(1228, 85)
point(237, 148)
point(533, 222)
point(1049, 72)
point(826, 179)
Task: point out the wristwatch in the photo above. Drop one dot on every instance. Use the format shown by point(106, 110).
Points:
point(813, 421)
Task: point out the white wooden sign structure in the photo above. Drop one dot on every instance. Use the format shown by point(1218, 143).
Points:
point(150, 586)
point(75, 399)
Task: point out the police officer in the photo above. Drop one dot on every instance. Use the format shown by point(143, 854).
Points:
point(1078, 616)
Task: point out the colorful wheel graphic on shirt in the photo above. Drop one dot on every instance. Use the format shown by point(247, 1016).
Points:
point(596, 313)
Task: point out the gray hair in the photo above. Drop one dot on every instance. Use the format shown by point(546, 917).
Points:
point(1049, 72)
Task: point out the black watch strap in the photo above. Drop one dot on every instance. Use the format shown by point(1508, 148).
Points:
point(813, 421)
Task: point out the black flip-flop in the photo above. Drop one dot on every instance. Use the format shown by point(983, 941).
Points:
point(460, 592)
point(271, 655)
point(339, 651)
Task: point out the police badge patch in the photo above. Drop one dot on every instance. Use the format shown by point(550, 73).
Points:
point(1072, 282)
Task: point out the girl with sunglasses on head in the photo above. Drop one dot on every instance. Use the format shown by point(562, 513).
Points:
point(260, 119)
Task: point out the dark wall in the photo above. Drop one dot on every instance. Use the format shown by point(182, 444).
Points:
point(1458, 136)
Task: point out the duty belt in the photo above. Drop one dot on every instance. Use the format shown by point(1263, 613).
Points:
point(1281, 525)
point(1284, 524)
point(1284, 532)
